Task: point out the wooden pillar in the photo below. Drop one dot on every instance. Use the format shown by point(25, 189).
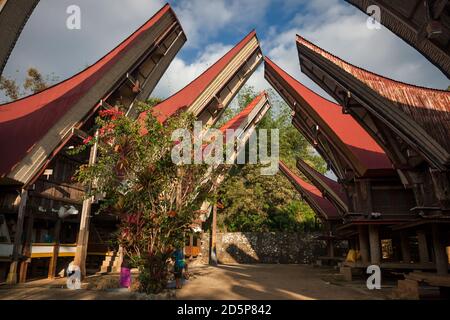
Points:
point(423, 246)
point(440, 254)
point(405, 247)
point(27, 250)
point(396, 243)
point(54, 259)
point(83, 237)
point(375, 247)
point(213, 250)
point(83, 233)
point(12, 275)
point(330, 248)
point(363, 244)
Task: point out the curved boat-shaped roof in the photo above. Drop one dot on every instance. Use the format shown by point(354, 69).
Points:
point(322, 206)
point(408, 20)
point(420, 116)
point(331, 189)
point(14, 14)
point(360, 150)
point(185, 98)
point(247, 115)
point(41, 121)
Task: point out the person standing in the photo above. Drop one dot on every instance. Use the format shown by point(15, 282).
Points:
point(179, 266)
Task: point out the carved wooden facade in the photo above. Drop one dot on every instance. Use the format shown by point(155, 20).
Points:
point(425, 25)
point(410, 123)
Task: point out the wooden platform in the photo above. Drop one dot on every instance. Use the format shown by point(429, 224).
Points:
point(394, 265)
point(431, 279)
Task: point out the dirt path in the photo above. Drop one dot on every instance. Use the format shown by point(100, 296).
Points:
point(223, 282)
point(273, 282)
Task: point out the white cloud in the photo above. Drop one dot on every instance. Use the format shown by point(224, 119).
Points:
point(336, 27)
point(48, 45)
point(204, 19)
point(181, 73)
point(341, 29)
point(332, 24)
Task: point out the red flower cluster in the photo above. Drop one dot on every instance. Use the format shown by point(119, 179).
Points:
point(87, 140)
point(109, 128)
point(113, 113)
point(171, 214)
point(134, 218)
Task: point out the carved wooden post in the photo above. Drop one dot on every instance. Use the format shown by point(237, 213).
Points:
point(12, 275)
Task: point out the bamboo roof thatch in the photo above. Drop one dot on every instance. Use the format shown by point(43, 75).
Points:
point(420, 116)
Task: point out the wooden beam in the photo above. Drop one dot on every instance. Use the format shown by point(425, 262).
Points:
point(438, 8)
point(54, 259)
point(12, 275)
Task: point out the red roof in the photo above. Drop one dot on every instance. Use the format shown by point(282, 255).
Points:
point(342, 126)
point(236, 122)
point(429, 108)
point(24, 122)
point(333, 185)
point(186, 96)
point(312, 193)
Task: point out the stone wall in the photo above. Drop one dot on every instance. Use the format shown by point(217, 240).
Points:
point(267, 247)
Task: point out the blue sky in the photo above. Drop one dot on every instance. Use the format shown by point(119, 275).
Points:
point(212, 28)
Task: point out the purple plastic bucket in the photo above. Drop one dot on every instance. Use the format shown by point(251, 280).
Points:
point(125, 277)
